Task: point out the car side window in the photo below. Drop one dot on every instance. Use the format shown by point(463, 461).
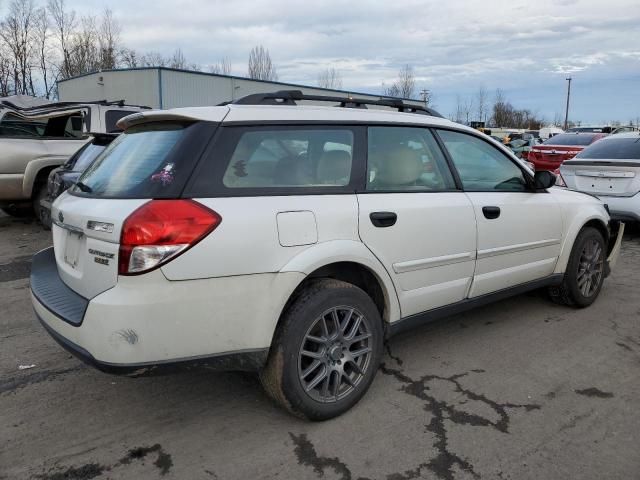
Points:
point(406, 159)
point(481, 166)
point(290, 158)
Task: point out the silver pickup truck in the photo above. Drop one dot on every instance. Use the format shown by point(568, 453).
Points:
point(37, 136)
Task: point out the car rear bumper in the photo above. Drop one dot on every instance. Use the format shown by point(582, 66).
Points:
point(147, 323)
point(623, 208)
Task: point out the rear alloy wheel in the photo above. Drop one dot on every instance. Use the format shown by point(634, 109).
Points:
point(326, 351)
point(585, 272)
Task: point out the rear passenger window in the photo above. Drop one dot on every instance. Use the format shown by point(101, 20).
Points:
point(406, 159)
point(290, 158)
point(481, 166)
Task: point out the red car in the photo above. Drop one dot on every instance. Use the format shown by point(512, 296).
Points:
point(550, 154)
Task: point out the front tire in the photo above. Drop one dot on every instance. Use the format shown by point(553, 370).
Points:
point(585, 272)
point(326, 351)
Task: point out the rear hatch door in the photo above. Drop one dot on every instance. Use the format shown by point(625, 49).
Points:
point(86, 232)
point(603, 177)
point(152, 160)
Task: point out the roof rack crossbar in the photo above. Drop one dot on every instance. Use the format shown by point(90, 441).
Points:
point(289, 97)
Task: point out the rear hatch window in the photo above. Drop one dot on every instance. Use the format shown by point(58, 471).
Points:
point(152, 160)
point(614, 149)
point(570, 139)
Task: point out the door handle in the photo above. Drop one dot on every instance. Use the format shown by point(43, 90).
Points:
point(383, 219)
point(491, 212)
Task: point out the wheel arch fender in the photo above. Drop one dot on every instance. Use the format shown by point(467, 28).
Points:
point(34, 169)
point(347, 251)
point(593, 218)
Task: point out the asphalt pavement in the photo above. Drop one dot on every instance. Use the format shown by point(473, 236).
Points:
point(521, 389)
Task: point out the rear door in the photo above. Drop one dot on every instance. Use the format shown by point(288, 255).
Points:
point(519, 230)
point(414, 219)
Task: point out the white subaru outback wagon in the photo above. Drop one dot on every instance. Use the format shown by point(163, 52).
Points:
point(293, 240)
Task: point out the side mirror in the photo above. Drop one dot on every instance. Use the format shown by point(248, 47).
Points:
point(544, 179)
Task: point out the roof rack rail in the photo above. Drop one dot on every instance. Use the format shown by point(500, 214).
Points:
point(289, 97)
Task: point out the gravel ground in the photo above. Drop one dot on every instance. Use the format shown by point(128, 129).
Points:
point(522, 389)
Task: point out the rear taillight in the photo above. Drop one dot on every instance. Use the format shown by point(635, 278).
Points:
point(160, 230)
point(559, 180)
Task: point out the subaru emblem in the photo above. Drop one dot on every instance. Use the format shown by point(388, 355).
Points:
point(60, 217)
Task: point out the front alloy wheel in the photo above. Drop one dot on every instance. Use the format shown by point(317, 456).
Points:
point(591, 267)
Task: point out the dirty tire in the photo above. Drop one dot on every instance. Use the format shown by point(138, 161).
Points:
point(569, 292)
point(282, 376)
point(40, 194)
point(18, 211)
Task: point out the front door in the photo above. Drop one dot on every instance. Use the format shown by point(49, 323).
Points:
point(519, 230)
point(412, 217)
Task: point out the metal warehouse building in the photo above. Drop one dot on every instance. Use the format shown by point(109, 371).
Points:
point(160, 87)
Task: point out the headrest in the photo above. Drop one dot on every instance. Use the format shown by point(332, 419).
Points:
point(334, 167)
point(400, 166)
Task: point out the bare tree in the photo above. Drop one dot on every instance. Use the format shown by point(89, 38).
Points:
point(177, 60)
point(260, 64)
point(482, 104)
point(16, 32)
point(64, 23)
point(153, 59)
point(404, 86)
point(222, 67)
point(6, 72)
point(43, 52)
point(108, 40)
point(330, 78)
point(467, 110)
point(129, 57)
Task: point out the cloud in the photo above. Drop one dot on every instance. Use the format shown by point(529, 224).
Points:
point(517, 45)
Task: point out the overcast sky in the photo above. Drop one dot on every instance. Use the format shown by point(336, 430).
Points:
point(525, 47)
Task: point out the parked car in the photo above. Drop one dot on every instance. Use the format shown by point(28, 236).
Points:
point(625, 129)
point(292, 240)
point(522, 147)
point(63, 177)
point(36, 137)
point(559, 148)
point(610, 169)
point(546, 133)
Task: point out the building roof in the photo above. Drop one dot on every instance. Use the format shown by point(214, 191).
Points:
point(195, 72)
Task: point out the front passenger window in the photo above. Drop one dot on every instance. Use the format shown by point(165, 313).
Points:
point(481, 166)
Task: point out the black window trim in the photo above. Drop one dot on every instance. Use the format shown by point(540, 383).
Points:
point(527, 176)
point(217, 188)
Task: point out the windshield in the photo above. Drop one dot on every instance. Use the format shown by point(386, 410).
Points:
point(141, 163)
point(614, 148)
point(87, 156)
point(570, 139)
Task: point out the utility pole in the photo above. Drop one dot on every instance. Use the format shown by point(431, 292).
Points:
point(566, 114)
point(425, 94)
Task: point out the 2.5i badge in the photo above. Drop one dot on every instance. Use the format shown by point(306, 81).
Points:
point(101, 257)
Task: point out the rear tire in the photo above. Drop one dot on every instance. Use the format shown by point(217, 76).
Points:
point(18, 210)
point(585, 272)
point(40, 214)
point(325, 352)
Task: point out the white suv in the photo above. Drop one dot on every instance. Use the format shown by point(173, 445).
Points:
point(293, 240)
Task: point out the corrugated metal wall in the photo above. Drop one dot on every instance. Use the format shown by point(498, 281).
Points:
point(179, 88)
point(136, 87)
